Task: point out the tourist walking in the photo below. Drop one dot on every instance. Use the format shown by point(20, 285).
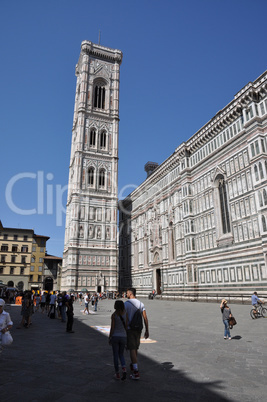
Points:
point(226, 314)
point(96, 301)
point(86, 303)
point(43, 300)
point(52, 306)
point(37, 302)
point(26, 310)
point(70, 314)
point(135, 312)
point(118, 337)
point(63, 307)
point(47, 301)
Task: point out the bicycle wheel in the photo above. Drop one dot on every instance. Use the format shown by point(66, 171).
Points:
point(252, 314)
point(264, 312)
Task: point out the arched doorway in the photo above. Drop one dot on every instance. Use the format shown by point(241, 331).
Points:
point(48, 283)
point(158, 281)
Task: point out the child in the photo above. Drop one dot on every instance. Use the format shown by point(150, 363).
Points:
point(118, 337)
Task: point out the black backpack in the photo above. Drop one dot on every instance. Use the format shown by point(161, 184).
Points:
point(137, 321)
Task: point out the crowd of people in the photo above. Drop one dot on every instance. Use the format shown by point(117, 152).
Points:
point(126, 321)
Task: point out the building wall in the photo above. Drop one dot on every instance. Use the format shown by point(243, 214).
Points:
point(197, 225)
point(15, 256)
point(90, 250)
point(37, 261)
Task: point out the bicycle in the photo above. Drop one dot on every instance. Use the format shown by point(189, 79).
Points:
point(260, 312)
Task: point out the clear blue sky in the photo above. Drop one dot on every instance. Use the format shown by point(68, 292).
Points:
point(182, 62)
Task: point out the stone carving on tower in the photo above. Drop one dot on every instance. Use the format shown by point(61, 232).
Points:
point(91, 215)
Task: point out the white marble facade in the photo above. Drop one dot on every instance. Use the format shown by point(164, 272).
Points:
point(198, 224)
point(90, 251)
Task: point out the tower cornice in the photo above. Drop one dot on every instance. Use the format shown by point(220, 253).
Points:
point(101, 52)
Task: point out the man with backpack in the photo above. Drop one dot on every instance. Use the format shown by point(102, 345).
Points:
point(136, 313)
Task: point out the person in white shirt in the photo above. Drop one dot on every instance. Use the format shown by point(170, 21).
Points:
point(86, 303)
point(134, 335)
point(5, 320)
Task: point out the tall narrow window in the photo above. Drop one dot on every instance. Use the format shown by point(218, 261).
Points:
point(265, 196)
point(252, 150)
point(260, 199)
point(103, 140)
point(99, 97)
point(261, 171)
point(101, 179)
point(92, 138)
point(91, 171)
point(263, 220)
point(224, 206)
point(256, 172)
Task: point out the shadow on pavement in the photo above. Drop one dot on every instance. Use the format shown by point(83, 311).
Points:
point(45, 363)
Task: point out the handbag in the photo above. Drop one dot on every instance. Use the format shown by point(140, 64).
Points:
point(232, 322)
point(6, 339)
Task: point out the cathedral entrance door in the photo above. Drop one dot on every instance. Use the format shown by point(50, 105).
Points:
point(158, 281)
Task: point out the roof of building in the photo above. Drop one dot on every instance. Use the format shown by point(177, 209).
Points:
point(43, 237)
point(52, 257)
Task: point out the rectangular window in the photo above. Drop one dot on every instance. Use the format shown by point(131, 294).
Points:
point(14, 248)
point(33, 248)
point(15, 237)
point(23, 259)
point(1, 270)
point(234, 129)
point(5, 236)
point(39, 278)
point(4, 247)
point(21, 270)
point(42, 249)
point(25, 238)
point(40, 269)
point(12, 269)
point(31, 278)
point(40, 259)
point(13, 258)
point(3, 258)
point(32, 268)
point(24, 249)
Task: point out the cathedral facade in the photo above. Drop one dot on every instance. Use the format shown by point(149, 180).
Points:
point(198, 224)
point(90, 258)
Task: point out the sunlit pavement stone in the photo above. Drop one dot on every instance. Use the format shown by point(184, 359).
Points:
point(185, 359)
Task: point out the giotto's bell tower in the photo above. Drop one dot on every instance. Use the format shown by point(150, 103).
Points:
point(90, 250)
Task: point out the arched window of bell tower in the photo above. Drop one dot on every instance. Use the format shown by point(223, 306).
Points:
point(100, 95)
point(101, 178)
point(92, 138)
point(91, 173)
point(103, 140)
